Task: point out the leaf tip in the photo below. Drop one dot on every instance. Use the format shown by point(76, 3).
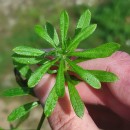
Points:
point(9, 118)
point(88, 11)
point(30, 85)
point(94, 26)
point(116, 78)
point(37, 28)
point(64, 12)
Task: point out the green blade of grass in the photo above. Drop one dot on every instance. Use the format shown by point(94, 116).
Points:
point(22, 111)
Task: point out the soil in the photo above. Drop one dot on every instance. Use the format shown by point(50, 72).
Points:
point(6, 106)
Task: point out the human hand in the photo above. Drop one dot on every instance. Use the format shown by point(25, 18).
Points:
point(115, 96)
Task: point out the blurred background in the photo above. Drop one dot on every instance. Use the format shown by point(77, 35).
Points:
point(17, 20)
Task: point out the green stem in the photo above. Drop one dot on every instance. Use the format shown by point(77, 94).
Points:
point(41, 121)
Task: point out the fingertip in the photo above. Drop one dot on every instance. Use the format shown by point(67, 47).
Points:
point(64, 117)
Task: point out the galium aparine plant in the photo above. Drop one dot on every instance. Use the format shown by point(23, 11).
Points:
point(24, 58)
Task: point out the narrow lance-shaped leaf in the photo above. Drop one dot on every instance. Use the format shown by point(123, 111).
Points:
point(84, 21)
point(24, 70)
point(21, 120)
point(28, 51)
point(85, 75)
point(75, 99)
point(104, 50)
point(50, 102)
point(52, 33)
point(60, 80)
point(22, 111)
point(26, 59)
point(81, 36)
point(43, 33)
point(16, 92)
point(80, 59)
point(64, 25)
point(38, 74)
point(22, 82)
point(104, 76)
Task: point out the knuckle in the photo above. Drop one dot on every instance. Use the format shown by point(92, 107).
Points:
point(118, 60)
point(67, 124)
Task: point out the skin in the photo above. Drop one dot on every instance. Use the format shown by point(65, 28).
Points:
point(107, 108)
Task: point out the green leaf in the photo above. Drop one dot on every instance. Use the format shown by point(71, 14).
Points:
point(80, 59)
point(26, 59)
point(50, 102)
point(22, 110)
point(52, 33)
point(16, 92)
point(22, 82)
point(64, 25)
point(38, 74)
point(24, 70)
point(85, 75)
point(21, 120)
point(84, 21)
point(43, 33)
point(28, 51)
point(60, 80)
point(104, 76)
point(102, 51)
point(81, 36)
point(75, 99)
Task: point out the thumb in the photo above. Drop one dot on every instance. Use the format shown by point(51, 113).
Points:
point(64, 117)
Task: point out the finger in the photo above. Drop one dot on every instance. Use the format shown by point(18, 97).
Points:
point(118, 63)
point(103, 97)
point(114, 95)
point(44, 87)
point(64, 118)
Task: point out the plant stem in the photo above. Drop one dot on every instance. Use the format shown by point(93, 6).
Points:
point(41, 121)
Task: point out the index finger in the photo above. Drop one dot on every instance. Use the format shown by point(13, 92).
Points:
point(118, 63)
